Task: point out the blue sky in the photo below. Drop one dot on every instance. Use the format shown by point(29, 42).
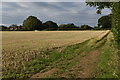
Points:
point(59, 12)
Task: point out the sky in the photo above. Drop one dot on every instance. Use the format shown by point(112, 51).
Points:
point(59, 12)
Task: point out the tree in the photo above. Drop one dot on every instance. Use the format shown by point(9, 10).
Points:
point(67, 26)
point(105, 22)
point(86, 27)
point(20, 28)
point(116, 23)
point(32, 23)
point(3, 28)
point(99, 5)
point(71, 25)
point(115, 8)
point(97, 28)
point(62, 26)
point(50, 25)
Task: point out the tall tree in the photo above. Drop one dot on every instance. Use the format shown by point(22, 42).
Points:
point(32, 23)
point(105, 22)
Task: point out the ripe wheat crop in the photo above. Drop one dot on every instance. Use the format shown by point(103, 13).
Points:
point(21, 47)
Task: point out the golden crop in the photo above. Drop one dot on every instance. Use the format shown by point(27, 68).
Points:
point(19, 47)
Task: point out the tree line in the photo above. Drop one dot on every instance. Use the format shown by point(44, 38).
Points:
point(33, 23)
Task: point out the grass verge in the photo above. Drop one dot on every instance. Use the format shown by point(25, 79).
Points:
point(108, 65)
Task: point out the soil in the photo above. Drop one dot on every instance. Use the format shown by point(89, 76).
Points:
point(87, 65)
point(83, 69)
point(44, 74)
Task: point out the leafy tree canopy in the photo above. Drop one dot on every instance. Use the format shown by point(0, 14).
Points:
point(86, 27)
point(105, 22)
point(99, 5)
point(50, 24)
point(32, 23)
point(71, 25)
point(3, 28)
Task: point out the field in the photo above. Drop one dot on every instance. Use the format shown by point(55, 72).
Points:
point(28, 53)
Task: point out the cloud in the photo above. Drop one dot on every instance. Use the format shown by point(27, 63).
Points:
point(60, 12)
point(0, 13)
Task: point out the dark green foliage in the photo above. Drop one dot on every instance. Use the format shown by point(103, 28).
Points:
point(32, 23)
point(70, 26)
point(62, 26)
point(116, 23)
point(86, 27)
point(50, 25)
point(20, 28)
point(3, 28)
point(73, 27)
point(105, 22)
point(97, 28)
point(99, 5)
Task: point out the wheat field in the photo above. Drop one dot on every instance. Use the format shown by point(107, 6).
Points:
point(20, 47)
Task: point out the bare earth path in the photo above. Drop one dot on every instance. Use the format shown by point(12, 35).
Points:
point(87, 65)
point(83, 69)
